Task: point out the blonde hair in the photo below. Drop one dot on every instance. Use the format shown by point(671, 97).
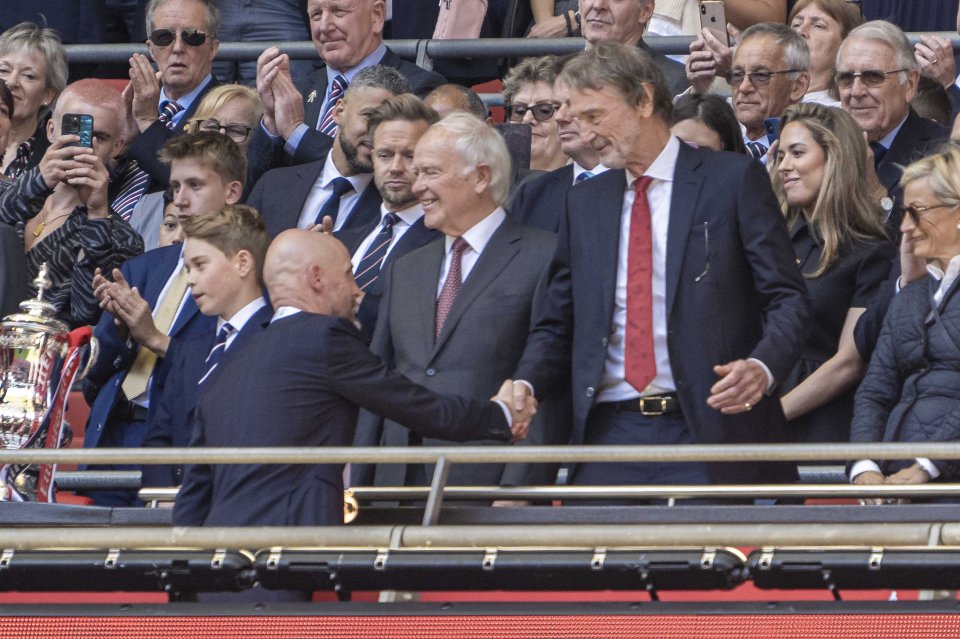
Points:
point(234, 228)
point(220, 95)
point(844, 209)
point(942, 170)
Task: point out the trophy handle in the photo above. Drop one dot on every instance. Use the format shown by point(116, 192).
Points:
point(91, 358)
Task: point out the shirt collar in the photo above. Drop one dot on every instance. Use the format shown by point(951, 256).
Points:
point(664, 166)
point(371, 60)
point(480, 233)
point(330, 173)
point(953, 267)
point(887, 140)
point(241, 317)
point(284, 311)
point(186, 99)
point(577, 170)
point(408, 216)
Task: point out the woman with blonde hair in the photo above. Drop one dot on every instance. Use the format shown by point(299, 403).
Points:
point(842, 249)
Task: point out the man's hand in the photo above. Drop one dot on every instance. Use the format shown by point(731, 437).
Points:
point(325, 225)
point(523, 406)
point(145, 87)
point(58, 158)
point(91, 180)
point(709, 58)
point(741, 386)
point(935, 57)
point(912, 268)
point(288, 104)
point(268, 66)
point(552, 27)
point(870, 478)
point(130, 308)
point(911, 475)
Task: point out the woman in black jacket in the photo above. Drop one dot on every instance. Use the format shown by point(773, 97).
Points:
point(911, 392)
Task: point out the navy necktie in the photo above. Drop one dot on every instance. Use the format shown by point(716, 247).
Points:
point(757, 150)
point(326, 125)
point(583, 177)
point(878, 152)
point(219, 346)
point(331, 207)
point(368, 270)
point(167, 111)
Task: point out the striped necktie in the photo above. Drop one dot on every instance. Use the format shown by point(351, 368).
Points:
point(583, 177)
point(167, 111)
point(340, 187)
point(451, 285)
point(757, 149)
point(134, 182)
point(326, 125)
point(368, 270)
point(216, 353)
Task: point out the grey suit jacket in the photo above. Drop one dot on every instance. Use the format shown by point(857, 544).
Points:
point(481, 341)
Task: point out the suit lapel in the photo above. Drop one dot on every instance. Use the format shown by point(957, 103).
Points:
point(909, 138)
point(503, 246)
point(306, 176)
point(594, 209)
point(193, 106)
point(366, 209)
point(318, 92)
point(683, 204)
point(423, 307)
point(415, 237)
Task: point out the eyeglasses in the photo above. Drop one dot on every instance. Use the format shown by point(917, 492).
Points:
point(236, 132)
point(165, 37)
point(870, 77)
point(757, 78)
point(916, 212)
point(542, 111)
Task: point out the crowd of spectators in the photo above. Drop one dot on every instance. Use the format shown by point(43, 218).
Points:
point(758, 242)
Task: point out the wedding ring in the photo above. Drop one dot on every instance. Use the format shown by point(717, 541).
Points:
point(935, 60)
point(747, 405)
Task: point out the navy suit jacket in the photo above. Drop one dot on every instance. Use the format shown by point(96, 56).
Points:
point(170, 422)
point(264, 152)
point(733, 291)
point(145, 147)
point(540, 201)
point(298, 383)
point(101, 388)
point(415, 237)
point(280, 194)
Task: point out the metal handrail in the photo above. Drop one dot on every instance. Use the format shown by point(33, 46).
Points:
point(739, 453)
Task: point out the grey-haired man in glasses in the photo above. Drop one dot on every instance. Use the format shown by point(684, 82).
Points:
point(182, 41)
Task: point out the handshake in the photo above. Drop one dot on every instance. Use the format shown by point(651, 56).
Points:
point(519, 400)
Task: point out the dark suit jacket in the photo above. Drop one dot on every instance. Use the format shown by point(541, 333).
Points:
point(673, 71)
point(147, 145)
point(736, 295)
point(310, 373)
point(540, 200)
point(170, 422)
point(479, 346)
point(264, 152)
point(917, 137)
point(101, 388)
point(280, 194)
point(13, 270)
point(415, 237)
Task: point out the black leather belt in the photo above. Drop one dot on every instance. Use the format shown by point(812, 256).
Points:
point(650, 406)
point(129, 411)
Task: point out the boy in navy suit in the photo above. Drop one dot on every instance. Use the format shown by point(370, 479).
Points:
point(223, 258)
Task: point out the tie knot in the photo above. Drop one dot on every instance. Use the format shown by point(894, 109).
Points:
point(389, 220)
point(170, 108)
point(339, 84)
point(340, 185)
point(642, 183)
point(225, 331)
point(460, 245)
point(583, 177)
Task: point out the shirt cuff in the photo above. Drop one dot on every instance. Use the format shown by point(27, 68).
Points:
point(929, 466)
point(766, 371)
point(506, 412)
point(263, 128)
point(863, 466)
point(528, 385)
point(293, 142)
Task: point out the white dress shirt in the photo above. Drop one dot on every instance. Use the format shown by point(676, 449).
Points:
point(406, 219)
point(322, 191)
point(240, 319)
point(476, 238)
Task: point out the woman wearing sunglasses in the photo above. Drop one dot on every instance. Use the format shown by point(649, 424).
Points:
point(529, 96)
point(33, 63)
point(911, 392)
point(842, 249)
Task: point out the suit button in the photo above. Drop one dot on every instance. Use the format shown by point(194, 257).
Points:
point(603, 342)
point(117, 362)
point(590, 391)
point(430, 372)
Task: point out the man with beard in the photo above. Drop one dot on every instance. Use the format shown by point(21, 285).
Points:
point(394, 128)
point(341, 185)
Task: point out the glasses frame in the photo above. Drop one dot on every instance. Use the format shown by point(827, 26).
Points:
point(224, 129)
point(521, 110)
point(757, 78)
point(916, 212)
point(849, 77)
point(190, 37)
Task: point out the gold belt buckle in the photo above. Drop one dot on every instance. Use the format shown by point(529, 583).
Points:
point(653, 400)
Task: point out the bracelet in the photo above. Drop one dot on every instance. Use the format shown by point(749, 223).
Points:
point(566, 17)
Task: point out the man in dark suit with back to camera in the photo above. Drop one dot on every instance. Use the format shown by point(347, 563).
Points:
point(299, 383)
point(456, 313)
point(340, 186)
point(297, 124)
point(674, 299)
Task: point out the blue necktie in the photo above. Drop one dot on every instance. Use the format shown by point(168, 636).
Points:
point(583, 177)
point(331, 207)
point(757, 150)
point(878, 152)
point(167, 111)
point(326, 125)
point(219, 346)
point(368, 270)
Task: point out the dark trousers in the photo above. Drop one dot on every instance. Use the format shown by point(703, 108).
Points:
point(119, 433)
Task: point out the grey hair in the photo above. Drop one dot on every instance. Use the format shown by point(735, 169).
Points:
point(213, 15)
point(476, 143)
point(530, 71)
point(32, 37)
point(796, 53)
point(381, 77)
point(892, 36)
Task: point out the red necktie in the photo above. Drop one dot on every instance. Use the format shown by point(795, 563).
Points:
point(640, 364)
point(451, 286)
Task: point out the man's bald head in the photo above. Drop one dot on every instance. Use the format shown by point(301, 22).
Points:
point(311, 271)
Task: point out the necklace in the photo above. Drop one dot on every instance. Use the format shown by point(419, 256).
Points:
point(37, 231)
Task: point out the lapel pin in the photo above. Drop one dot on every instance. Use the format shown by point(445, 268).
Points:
point(312, 96)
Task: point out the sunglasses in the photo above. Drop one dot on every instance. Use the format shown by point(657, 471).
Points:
point(165, 37)
point(236, 132)
point(542, 111)
point(870, 77)
point(757, 78)
point(916, 212)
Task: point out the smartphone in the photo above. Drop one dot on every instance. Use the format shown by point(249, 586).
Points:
point(714, 18)
point(517, 137)
point(78, 124)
